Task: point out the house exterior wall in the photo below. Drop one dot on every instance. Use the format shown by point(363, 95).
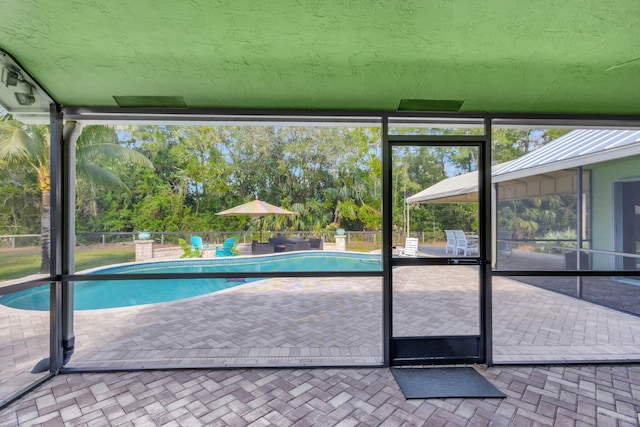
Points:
point(603, 229)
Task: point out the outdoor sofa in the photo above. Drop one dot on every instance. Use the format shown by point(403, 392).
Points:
point(259, 248)
point(286, 244)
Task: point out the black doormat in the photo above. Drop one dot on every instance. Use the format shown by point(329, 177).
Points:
point(425, 383)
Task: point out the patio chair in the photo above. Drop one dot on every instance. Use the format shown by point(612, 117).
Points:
point(410, 247)
point(451, 242)
point(465, 244)
point(227, 248)
point(196, 242)
point(188, 250)
point(503, 244)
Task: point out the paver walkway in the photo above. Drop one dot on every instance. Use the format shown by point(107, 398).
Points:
point(551, 396)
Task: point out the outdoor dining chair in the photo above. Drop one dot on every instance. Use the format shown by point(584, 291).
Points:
point(465, 244)
point(451, 242)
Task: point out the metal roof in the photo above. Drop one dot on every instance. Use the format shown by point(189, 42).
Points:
point(577, 148)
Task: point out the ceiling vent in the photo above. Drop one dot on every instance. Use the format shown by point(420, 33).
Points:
point(151, 101)
point(435, 105)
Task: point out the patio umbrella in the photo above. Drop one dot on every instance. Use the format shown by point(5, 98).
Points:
point(256, 208)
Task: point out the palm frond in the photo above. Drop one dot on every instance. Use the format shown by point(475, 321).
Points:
point(108, 152)
point(100, 176)
point(16, 144)
point(97, 134)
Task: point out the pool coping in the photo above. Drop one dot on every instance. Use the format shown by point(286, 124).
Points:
point(241, 259)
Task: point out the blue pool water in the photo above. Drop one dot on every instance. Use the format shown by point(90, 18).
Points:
point(123, 293)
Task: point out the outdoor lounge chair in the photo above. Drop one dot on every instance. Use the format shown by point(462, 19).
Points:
point(410, 247)
point(227, 248)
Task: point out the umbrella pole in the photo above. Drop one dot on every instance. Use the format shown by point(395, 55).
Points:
point(261, 227)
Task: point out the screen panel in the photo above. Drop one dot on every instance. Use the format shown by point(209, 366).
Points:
point(24, 340)
point(540, 319)
point(310, 321)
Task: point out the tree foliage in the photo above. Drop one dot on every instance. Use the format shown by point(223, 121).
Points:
point(329, 176)
point(29, 147)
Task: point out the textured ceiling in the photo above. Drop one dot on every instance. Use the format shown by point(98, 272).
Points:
point(537, 56)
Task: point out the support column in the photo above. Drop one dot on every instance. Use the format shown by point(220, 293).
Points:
point(144, 250)
point(579, 226)
point(56, 239)
point(487, 250)
point(341, 243)
point(387, 303)
point(71, 132)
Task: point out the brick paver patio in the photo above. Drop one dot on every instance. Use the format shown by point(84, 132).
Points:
point(325, 321)
point(562, 396)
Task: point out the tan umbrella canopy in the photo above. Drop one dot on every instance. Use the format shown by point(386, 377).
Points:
point(256, 208)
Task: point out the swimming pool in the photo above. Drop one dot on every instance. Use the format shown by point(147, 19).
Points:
point(124, 293)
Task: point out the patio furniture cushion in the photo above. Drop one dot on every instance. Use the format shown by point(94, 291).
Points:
point(297, 246)
point(259, 248)
point(317, 244)
point(290, 243)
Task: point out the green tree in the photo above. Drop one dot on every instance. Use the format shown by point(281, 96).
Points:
point(19, 199)
point(29, 145)
point(510, 144)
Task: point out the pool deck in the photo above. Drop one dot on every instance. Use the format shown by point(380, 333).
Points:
point(543, 396)
point(323, 322)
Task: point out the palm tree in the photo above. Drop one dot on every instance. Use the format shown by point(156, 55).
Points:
point(29, 144)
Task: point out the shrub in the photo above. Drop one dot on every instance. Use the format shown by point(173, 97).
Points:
point(566, 238)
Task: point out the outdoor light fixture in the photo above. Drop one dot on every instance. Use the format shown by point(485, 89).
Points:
point(10, 76)
point(26, 98)
point(20, 94)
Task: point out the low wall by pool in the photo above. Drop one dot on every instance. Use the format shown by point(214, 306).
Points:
point(147, 250)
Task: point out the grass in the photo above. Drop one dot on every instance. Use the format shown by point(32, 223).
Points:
point(111, 254)
point(21, 262)
point(361, 246)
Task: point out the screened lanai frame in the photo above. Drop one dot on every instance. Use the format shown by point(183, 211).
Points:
point(63, 205)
